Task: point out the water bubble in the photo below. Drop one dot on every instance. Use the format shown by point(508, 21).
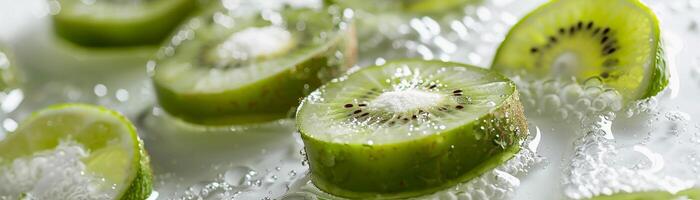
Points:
point(100, 90)
point(238, 175)
point(11, 101)
point(9, 125)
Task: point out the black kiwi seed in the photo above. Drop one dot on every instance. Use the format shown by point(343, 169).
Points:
point(605, 75)
point(432, 86)
point(533, 50)
point(590, 25)
point(348, 105)
point(610, 51)
point(362, 105)
point(610, 62)
point(414, 117)
point(606, 30)
point(357, 111)
point(459, 106)
point(605, 38)
point(572, 30)
point(457, 91)
point(579, 25)
point(365, 114)
point(596, 31)
point(562, 31)
point(553, 39)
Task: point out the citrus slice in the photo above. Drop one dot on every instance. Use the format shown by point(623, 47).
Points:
point(74, 151)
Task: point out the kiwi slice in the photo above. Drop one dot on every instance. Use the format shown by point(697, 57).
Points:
point(99, 23)
point(693, 193)
point(248, 66)
point(408, 128)
point(615, 40)
point(409, 6)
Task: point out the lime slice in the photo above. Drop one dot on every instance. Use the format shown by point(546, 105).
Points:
point(101, 23)
point(408, 128)
point(616, 40)
point(75, 151)
point(247, 67)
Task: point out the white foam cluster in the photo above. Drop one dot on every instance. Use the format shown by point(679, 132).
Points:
point(405, 100)
point(567, 99)
point(255, 42)
point(593, 170)
point(52, 174)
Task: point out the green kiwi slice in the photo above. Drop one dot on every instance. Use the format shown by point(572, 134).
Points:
point(693, 193)
point(101, 23)
point(409, 6)
point(83, 141)
point(246, 66)
point(408, 128)
point(616, 40)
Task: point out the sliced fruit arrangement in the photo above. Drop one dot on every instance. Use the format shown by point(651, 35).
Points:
point(8, 73)
point(408, 128)
point(410, 6)
point(692, 193)
point(75, 151)
point(100, 23)
point(251, 64)
point(616, 40)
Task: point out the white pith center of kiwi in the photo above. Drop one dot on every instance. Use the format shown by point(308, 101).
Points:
point(405, 100)
point(255, 42)
point(566, 64)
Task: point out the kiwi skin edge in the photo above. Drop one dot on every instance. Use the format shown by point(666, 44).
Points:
point(265, 100)
point(420, 166)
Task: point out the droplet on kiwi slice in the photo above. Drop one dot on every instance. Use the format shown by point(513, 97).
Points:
point(408, 128)
point(248, 65)
point(617, 41)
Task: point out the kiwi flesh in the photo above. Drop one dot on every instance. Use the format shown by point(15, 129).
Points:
point(409, 128)
point(197, 83)
point(116, 23)
point(617, 41)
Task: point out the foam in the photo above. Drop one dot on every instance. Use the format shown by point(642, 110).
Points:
point(52, 174)
point(255, 42)
point(406, 100)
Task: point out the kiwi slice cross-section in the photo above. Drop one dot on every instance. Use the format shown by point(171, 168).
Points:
point(247, 66)
point(615, 40)
point(408, 128)
point(101, 23)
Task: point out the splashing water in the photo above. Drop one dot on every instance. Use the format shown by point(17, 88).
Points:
point(594, 169)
